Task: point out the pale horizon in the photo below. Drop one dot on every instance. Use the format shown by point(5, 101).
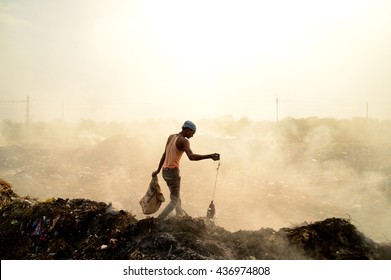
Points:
point(135, 60)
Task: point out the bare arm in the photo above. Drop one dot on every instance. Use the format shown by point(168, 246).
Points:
point(154, 173)
point(185, 145)
point(161, 162)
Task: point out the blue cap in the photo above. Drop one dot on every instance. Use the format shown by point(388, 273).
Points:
point(189, 124)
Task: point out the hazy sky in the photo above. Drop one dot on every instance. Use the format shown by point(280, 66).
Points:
point(124, 60)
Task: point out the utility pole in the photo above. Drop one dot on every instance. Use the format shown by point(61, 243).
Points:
point(27, 101)
point(27, 115)
point(277, 101)
point(367, 110)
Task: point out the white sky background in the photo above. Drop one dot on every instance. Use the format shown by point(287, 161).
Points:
point(125, 60)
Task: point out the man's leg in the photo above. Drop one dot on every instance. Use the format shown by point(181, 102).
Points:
point(173, 180)
point(178, 207)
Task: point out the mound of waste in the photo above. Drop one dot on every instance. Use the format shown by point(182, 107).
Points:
point(83, 229)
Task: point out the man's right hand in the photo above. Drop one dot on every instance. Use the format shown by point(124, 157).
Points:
point(216, 156)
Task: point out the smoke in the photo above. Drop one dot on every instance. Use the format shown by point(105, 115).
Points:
point(302, 170)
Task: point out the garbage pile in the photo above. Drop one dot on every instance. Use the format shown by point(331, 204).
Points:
point(84, 230)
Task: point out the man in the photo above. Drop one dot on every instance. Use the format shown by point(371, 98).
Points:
point(176, 145)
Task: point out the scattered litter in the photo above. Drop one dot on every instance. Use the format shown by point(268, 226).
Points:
point(84, 230)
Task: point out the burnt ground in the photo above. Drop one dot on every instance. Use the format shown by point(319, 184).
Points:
point(83, 229)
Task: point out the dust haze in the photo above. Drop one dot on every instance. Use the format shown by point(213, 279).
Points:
point(271, 175)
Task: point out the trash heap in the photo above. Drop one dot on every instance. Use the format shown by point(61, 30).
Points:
point(84, 230)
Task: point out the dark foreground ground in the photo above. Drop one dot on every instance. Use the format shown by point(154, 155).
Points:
point(83, 229)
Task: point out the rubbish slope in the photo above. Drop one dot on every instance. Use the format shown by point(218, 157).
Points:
point(83, 229)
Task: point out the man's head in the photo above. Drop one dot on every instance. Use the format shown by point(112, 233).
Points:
point(189, 126)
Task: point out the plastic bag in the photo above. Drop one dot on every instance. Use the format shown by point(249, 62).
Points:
point(153, 198)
